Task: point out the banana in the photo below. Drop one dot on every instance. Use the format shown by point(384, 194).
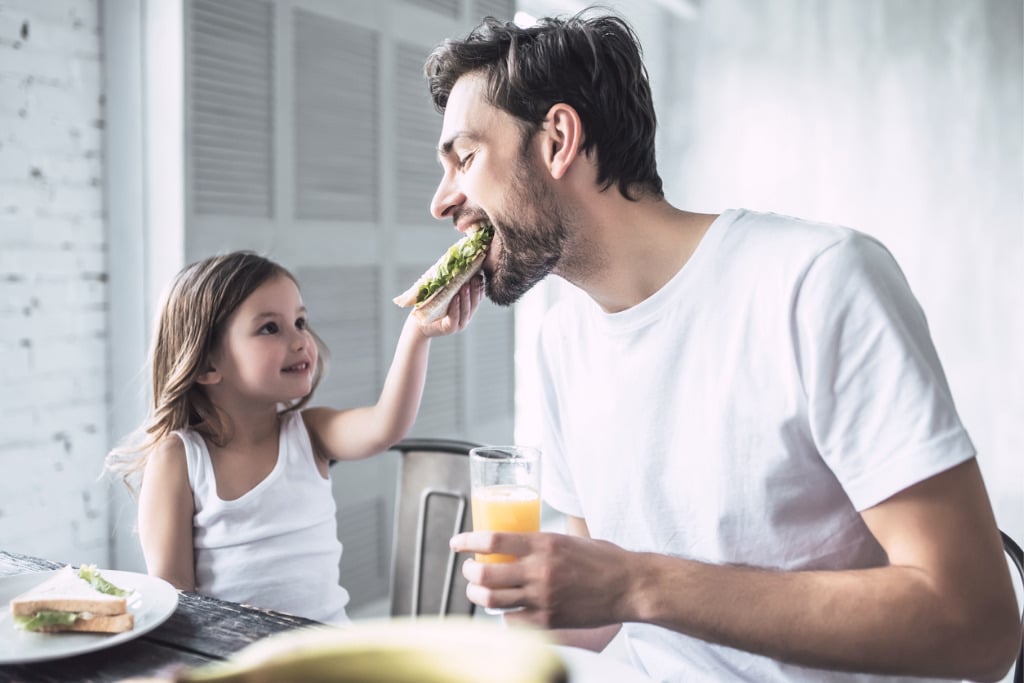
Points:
point(451, 650)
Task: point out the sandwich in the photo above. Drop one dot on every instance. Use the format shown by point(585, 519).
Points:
point(434, 290)
point(73, 601)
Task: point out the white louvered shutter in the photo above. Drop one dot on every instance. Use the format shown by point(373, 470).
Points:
point(446, 8)
point(499, 9)
point(336, 105)
point(419, 126)
point(231, 108)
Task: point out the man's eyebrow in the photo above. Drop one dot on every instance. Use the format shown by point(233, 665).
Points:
point(445, 148)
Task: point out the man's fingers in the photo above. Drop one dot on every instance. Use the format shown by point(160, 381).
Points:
point(493, 574)
point(491, 542)
point(471, 542)
point(495, 598)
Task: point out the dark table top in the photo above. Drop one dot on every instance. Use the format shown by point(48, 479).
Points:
point(200, 630)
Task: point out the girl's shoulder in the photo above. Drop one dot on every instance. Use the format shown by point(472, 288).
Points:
point(168, 450)
point(165, 479)
point(166, 462)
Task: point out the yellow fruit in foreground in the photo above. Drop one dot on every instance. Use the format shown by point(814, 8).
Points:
point(432, 650)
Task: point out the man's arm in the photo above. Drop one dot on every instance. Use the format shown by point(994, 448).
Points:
point(944, 606)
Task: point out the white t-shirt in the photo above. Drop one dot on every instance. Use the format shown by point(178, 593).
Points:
point(275, 547)
point(782, 381)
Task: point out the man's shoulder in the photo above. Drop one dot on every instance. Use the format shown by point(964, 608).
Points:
point(779, 239)
point(777, 226)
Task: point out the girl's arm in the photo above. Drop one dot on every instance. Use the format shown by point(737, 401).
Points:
point(165, 515)
point(361, 432)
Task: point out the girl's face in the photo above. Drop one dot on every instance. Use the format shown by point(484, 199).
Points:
point(266, 354)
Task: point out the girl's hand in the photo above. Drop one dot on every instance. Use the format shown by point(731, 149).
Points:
point(460, 310)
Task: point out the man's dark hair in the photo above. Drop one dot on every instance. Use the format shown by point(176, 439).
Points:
point(592, 63)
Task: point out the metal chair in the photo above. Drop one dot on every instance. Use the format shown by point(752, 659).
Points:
point(432, 505)
point(1017, 558)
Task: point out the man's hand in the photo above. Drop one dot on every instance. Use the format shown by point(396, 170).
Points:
point(560, 581)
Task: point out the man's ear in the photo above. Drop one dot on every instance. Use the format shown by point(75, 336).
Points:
point(563, 135)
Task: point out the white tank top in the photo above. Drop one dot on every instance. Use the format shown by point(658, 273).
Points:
point(276, 547)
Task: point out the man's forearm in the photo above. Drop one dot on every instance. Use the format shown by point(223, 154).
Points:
point(595, 639)
point(890, 620)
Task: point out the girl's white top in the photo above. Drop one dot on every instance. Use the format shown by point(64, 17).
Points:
point(276, 547)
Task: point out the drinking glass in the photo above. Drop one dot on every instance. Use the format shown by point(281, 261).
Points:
point(505, 483)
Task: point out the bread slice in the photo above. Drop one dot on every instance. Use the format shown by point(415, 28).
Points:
point(436, 305)
point(453, 261)
point(118, 623)
point(66, 592)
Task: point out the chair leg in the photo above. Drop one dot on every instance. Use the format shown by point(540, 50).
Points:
point(1016, 556)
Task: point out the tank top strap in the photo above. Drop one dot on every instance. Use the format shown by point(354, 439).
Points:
point(197, 458)
point(296, 446)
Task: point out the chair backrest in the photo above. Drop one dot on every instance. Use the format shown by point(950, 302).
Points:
point(1017, 559)
point(432, 505)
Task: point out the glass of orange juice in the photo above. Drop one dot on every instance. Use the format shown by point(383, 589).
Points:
point(505, 493)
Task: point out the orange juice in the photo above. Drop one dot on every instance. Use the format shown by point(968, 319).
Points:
point(505, 508)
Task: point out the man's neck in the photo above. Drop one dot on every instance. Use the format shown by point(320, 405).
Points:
point(632, 249)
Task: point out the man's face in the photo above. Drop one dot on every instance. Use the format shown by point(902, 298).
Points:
point(491, 173)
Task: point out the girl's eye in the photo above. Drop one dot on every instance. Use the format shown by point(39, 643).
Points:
point(301, 324)
point(269, 328)
point(466, 160)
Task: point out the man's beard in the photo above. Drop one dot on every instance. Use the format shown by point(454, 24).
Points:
point(532, 238)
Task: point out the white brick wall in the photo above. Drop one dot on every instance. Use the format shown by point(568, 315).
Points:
point(53, 294)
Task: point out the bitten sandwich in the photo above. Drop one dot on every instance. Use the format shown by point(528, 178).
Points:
point(73, 601)
point(435, 289)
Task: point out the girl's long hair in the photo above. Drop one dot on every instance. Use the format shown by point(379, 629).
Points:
point(195, 313)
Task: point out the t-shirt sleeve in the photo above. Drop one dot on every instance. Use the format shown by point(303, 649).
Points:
point(557, 488)
point(880, 409)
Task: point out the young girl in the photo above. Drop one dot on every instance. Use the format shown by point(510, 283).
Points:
point(235, 500)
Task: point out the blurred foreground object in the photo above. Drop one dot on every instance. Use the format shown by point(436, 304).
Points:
point(451, 650)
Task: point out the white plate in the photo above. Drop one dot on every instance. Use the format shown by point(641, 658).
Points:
point(152, 602)
point(591, 667)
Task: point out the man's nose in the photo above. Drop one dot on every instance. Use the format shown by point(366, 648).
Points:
point(447, 198)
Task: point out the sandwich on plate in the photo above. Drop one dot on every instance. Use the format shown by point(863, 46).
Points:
point(434, 290)
point(73, 601)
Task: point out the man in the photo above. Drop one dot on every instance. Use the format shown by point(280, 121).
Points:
point(749, 431)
